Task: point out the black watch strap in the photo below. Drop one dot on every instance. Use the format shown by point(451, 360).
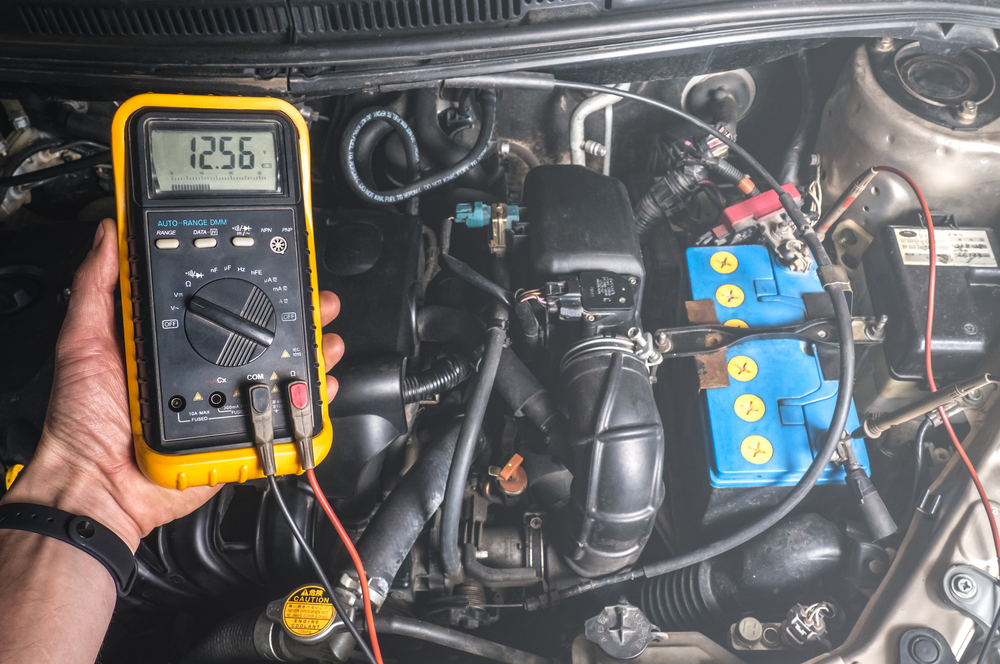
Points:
point(82, 532)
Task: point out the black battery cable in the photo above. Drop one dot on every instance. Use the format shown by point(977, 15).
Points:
point(834, 282)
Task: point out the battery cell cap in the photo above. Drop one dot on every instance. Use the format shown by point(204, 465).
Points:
point(756, 449)
point(724, 262)
point(742, 368)
point(749, 407)
point(729, 295)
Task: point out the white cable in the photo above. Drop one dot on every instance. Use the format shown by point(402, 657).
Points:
point(580, 114)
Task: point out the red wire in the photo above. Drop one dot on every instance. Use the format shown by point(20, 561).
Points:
point(931, 284)
point(362, 577)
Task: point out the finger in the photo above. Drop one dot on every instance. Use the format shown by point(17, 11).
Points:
point(91, 307)
point(333, 350)
point(332, 386)
point(329, 307)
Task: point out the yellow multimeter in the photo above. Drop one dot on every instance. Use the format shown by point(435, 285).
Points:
point(218, 282)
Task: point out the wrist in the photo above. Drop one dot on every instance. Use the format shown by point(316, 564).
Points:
point(81, 492)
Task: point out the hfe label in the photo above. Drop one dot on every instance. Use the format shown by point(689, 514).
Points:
point(953, 247)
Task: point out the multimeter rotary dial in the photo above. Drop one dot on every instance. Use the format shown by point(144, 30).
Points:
point(229, 322)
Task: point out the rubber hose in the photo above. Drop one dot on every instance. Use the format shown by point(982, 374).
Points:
point(447, 151)
point(729, 173)
point(394, 529)
point(231, 642)
point(793, 155)
point(451, 509)
point(348, 148)
point(425, 631)
point(444, 374)
point(527, 397)
point(919, 463)
point(467, 274)
point(524, 154)
point(367, 140)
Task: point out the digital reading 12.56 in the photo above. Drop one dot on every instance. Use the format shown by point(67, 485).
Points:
point(210, 160)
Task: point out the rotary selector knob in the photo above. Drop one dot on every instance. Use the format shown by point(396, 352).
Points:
point(229, 322)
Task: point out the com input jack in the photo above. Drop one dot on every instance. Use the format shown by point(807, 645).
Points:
point(217, 399)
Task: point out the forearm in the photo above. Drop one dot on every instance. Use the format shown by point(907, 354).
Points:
point(55, 600)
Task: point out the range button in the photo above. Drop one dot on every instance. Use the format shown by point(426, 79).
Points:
point(168, 243)
point(242, 241)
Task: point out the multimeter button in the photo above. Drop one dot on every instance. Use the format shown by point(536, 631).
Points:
point(260, 398)
point(205, 242)
point(167, 243)
point(242, 241)
point(299, 394)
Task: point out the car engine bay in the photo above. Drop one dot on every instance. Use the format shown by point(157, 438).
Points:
point(591, 364)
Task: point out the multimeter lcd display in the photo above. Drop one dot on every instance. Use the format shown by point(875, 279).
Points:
point(202, 160)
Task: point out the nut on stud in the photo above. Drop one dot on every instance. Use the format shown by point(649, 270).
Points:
point(967, 112)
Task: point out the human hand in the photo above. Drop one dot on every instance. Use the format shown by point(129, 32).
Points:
point(85, 462)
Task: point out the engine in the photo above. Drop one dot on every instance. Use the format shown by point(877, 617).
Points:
point(588, 385)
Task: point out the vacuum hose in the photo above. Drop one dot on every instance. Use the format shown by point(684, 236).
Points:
point(348, 152)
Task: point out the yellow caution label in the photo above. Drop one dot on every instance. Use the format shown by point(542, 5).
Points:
point(724, 262)
point(236, 393)
point(735, 322)
point(749, 407)
point(197, 397)
point(12, 474)
point(742, 368)
point(729, 296)
point(285, 354)
point(308, 611)
point(274, 375)
point(274, 389)
point(756, 449)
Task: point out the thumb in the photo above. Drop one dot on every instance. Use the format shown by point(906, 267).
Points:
point(91, 307)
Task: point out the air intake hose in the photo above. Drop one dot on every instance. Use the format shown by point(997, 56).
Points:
point(616, 442)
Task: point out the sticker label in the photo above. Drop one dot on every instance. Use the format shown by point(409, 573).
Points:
point(954, 247)
point(308, 611)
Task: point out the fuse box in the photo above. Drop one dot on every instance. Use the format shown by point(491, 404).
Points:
point(764, 428)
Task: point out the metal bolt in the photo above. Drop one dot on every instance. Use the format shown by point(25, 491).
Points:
point(966, 112)
point(821, 334)
point(595, 148)
point(884, 45)
point(622, 300)
point(590, 318)
point(970, 329)
point(535, 523)
point(963, 586)
point(877, 331)
point(633, 280)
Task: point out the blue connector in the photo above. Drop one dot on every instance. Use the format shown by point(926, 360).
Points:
point(477, 215)
point(473, 215)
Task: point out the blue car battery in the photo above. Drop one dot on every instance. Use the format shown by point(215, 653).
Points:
point(764, 429)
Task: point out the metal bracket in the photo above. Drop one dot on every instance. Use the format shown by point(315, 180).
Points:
point(700, 339)
point(973, 592)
